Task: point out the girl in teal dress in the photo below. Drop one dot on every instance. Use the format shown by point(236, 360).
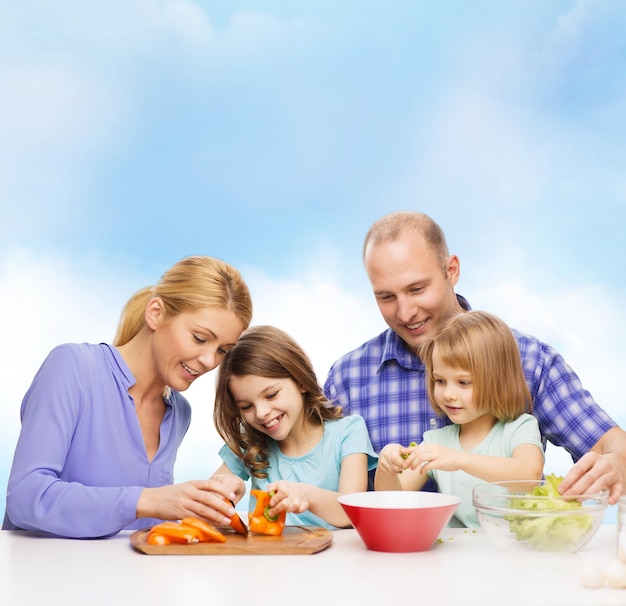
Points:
point(475, 378)
point(282, 433)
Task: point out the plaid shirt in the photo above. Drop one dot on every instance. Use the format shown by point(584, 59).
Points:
point(385, 382)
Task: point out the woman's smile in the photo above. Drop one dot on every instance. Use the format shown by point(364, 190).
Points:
point(189, 372)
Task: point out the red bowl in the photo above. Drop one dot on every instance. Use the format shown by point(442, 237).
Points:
point(398, 521)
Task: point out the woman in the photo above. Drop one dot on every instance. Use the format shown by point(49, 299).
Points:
point(101, 424)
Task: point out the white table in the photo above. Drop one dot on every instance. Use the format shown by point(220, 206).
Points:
point(465, 569)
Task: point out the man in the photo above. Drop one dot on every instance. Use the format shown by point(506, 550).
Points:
point(413, 278)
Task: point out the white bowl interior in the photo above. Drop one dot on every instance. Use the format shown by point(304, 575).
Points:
point(388, 499)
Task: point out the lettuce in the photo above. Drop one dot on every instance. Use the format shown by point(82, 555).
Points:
point(549, 532)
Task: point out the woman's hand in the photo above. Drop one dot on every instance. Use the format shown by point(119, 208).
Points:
point(204, 499)
point(232, 483)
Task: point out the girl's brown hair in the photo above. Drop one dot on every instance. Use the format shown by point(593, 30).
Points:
point(192, 284)
point(484, 346)
point(265, 351)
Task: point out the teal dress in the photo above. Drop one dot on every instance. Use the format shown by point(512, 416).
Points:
point(501, 440)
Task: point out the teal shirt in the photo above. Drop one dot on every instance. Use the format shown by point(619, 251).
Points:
point(319, 467)
point(499, 442)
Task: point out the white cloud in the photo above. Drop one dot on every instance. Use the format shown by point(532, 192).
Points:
point(482, 149)
point(47, 301)
point(475, 151)
point(190, 22)
point(81, 83)
point(252, 35)
point(54, 118)
point(584, 18)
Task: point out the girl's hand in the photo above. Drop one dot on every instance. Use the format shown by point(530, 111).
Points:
point(288, 496)
point(204, 499)
point(432, 456)
point(395, 458)
point(396, 466)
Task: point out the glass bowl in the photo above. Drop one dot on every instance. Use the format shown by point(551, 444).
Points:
point(516, 519)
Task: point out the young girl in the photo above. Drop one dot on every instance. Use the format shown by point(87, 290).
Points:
point(475, 377)
point(282, 432)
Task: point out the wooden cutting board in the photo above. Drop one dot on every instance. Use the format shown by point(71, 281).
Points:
point(294, 540)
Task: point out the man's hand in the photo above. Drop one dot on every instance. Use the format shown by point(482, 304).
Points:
point(603, 467)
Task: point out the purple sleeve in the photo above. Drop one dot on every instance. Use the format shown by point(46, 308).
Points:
point(63, 415)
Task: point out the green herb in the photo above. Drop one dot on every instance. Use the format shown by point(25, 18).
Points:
point(411, 445)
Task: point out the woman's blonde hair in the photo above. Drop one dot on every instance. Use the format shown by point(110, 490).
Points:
point(483, 345)
point(194, 283)
point(265, 351)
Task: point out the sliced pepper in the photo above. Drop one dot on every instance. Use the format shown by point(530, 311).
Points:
point(155, 538)
point(176, 532)
point(260, 520)
point(236, 523)
point(207, 532)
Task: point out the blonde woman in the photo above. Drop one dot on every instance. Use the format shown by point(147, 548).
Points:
point(102, 423)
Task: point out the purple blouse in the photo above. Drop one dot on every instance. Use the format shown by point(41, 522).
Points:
point(80, 462)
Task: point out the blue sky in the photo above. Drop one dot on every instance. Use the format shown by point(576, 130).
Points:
point(272, 134)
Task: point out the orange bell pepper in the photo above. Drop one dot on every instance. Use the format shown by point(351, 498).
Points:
point(154, 538)
point(236, 523)
point(207, 532)
point(260, 521)
point(176, 532)
point(188, 530)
